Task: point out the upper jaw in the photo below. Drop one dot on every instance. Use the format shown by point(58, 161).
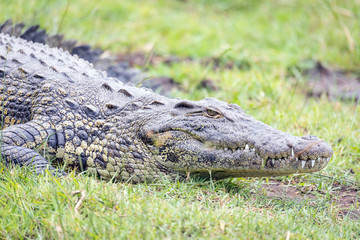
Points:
point(284, 146)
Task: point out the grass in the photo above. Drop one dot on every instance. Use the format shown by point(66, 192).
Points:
point(270, 38)
point(223, 209)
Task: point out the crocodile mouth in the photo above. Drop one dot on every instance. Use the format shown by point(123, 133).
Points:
point(183, 150)
point(304, 161)
point(250, 162)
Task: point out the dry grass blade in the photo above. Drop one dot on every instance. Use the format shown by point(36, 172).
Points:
point(82, 197)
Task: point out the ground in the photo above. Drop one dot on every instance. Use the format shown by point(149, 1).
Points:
point(260, 48)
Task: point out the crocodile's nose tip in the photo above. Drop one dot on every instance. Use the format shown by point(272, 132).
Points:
point(322, 148)
point(312, 146)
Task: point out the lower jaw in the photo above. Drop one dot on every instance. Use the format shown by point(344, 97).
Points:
point(260, 171)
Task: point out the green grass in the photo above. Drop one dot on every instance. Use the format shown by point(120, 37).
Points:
point(223, 209)
point(269, 36)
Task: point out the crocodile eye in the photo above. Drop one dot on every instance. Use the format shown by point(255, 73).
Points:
point(212, 113)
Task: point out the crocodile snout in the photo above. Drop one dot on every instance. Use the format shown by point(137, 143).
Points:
point(310, 150)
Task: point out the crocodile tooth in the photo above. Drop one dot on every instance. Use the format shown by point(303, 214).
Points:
point(297, 159)
point(292, 152)
point(303, 163)
point(319, 158)
point(225, 149)
point(312, 163)
point(247, 147)
point(273, 162)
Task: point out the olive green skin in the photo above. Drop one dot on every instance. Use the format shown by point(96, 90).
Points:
point(59, 104)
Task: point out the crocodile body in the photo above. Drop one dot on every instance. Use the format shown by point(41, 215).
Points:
point(56, 103)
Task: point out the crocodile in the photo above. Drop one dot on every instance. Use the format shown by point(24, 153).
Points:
point(58, 109)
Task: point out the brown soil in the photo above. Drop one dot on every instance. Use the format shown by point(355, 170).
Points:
point(334, 83)
point(163, 84)
point(346, 200)
point(141, 58)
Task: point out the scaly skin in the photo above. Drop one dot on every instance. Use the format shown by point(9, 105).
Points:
point(54, 101)
point(99, 59)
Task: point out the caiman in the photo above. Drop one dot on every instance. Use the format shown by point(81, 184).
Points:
point(56, 103)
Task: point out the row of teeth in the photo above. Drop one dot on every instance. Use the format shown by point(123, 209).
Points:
point(247, 148)
point(303, 162)
point(250, 149)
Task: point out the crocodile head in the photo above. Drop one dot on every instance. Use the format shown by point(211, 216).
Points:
point(210, 137)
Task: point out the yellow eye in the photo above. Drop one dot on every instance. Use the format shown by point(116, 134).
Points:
point(213, 113)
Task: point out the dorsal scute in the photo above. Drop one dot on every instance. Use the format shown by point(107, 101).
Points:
point(74, 75)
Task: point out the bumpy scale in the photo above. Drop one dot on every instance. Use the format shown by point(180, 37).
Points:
point(58, 103)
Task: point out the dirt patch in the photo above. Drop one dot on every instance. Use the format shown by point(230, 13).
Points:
point(142, 58)
point(348, 202)
point(345, 199)
point(281, 190)
point(336, 84)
